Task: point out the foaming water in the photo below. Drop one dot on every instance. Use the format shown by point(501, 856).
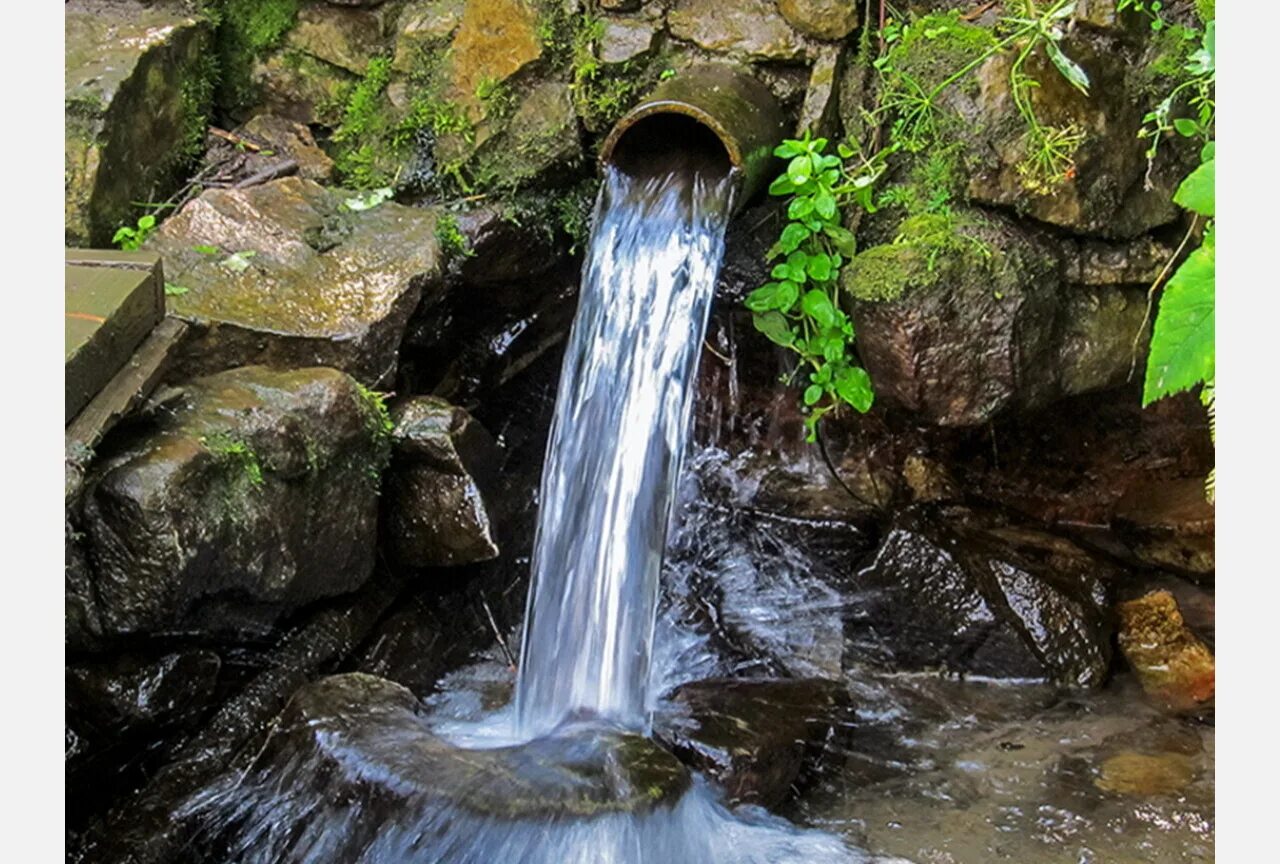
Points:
point(622, 415)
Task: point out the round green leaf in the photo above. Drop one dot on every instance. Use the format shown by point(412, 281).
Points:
point(812, 394)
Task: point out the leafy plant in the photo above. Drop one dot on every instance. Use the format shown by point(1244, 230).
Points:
point(368, 200)
point(173, 290)
point(1182, 353)
point(1197, 90)
point(130, 239)
point(912, 104)
point(800, 309)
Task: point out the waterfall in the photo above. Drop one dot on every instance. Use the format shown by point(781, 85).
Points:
point(621, 422)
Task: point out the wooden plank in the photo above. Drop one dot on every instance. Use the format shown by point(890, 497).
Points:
point(124, 392)
point(113, 299)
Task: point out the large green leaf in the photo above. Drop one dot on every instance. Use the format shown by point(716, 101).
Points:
point(1196, 192)
point(1182, 344)
point(774, 325)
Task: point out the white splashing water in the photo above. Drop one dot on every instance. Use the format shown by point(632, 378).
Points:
point(621, 422)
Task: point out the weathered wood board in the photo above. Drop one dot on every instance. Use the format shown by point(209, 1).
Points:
point(113, 300)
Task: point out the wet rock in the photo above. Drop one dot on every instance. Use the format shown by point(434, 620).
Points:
point(968, 592)
point(1169, 524)
point(495, 40)
point(346, 38)
point(1173, 664)
point(286, 274)
point(256, 489)
point(621, 5)
point(540, 136)
point(358, 751)
point(626, 38)
point(820, 113)
point(131, 694)
point(138, 91)
point(1098, 263)
point(758, 739)
point(424, 26)
point(958, 333)
point(501, 250)
point(929, 480)
point(1107, 193)
point(751, 29)
point(1102, 331)
point(1145, 775)
point(437, 514)
point(821, 19)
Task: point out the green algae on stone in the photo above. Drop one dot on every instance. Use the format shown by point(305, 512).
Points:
point(247, 30)
point(345, 304)
point(138, 87)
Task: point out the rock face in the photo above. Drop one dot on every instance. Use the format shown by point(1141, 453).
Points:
point(758, 739)
point(357, 750)
point(437, 514)
point(751, 29)
point(1170, 525)
point(955, 589)
point(138, 91)
point(128, 694)
point(252, 489)
point(292, 274)
point(1173, 664)
point(821, 19)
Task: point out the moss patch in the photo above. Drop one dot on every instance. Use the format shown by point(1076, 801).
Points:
point(247, 29)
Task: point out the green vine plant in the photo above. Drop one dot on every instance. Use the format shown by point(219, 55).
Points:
point(1182, 355)
point(800, 309)
point(911, 107)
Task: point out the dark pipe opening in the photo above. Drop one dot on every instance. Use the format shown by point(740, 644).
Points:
point(668, 142)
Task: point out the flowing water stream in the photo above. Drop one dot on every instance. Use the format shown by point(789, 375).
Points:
point(622, 416)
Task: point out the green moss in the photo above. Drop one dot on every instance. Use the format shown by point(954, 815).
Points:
point(247, 29)
point(379, 425)
point(237, 455)
point(927, 246)
point(1206, 10)
point(451, 239)
point(934, 47)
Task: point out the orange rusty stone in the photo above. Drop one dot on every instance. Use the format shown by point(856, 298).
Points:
point(1174, 666)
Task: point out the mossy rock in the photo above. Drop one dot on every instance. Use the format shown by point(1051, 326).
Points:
point(252, 489)
point(139, 88)
point(956, 319)
point(289, 274)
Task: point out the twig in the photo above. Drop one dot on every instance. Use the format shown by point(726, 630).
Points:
point(1151, 295)
point(706, 343)
point(271, 172)
point(502, 643)
point(234, 139)
point(977, 13)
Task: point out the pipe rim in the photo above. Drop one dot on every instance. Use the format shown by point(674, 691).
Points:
point(671, 106)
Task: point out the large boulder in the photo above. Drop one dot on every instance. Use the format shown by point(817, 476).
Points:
point(956, 317)
point(252, 489)
point(354, 765)
point(758, 739)
point(821, 19)
point(290, 273)
point(973, 593)
point(437, 514)
point(138, 91)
